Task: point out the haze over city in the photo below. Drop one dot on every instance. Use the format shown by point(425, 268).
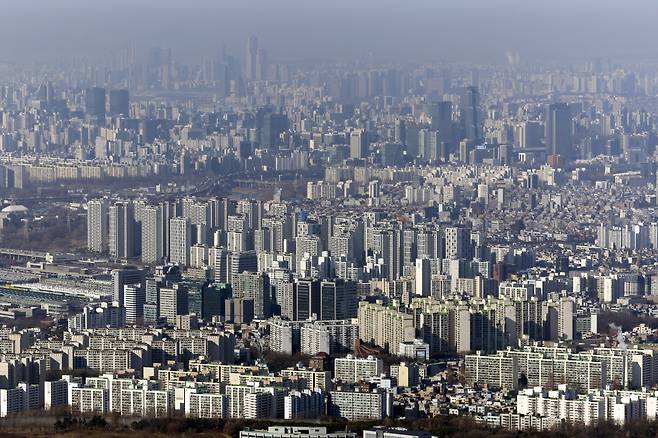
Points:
point(478, 31)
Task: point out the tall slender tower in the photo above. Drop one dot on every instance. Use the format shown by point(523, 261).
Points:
point(152, 234)
point(470, 104)
point(180, 236)
point(558, 130)
point(251, 58)
point(97, 225)
point(441, 113)
point(122, 230)
point(261, 64)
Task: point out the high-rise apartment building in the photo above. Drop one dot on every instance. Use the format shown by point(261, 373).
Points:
point(351, 369)
point(423, 277)
point(97, 225)
point(179, 240)
point(385, 326)
point(122, 230)
point(152, 234)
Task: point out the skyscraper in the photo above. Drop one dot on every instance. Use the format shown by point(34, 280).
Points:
point(470, 107)
point(401, 132)
point(152, 234)
point(213, 299)
point(173, 302)
point(218, 261)
point(169, 210)
point(529, 135)
point(261, 64)
point(95, 102)
point(306, 299)
point(457, 243)
point(441, 113)
point(558, 130)
point(151, 300)
point(255, 286)
point(134, 297)
point(180, 238)
point(423, 277)
point(251, 57)
point(238, 262)
point(338, 300)
point(125, 277)
point(358, 144)
point(269, 127)
point(122, 230)
point(97, 225)
point(119, 102)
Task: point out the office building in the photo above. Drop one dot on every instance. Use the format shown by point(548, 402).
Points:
point(256, 287)
point(239, 310)
point(558, 130)
point(470, 114)
point(95, 102)
point(358, 144)
point(441, 113)
point(173, 302)
point(134, 298)
point(120, 103)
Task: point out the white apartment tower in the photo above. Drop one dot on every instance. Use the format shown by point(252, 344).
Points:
point(97, 225)
point(179, 240)
point(122, 230)
point(152, 234)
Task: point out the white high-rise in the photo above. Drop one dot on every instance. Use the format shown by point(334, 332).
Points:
point(179, 240)
point(134, 297)
point(152, 234)
point(218, 259)
point(351, 369)
point(97, 225)
point(198, 256)
point(358, 144)
point(457, 243)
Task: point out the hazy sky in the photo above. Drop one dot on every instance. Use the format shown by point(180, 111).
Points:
point(424, 30)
